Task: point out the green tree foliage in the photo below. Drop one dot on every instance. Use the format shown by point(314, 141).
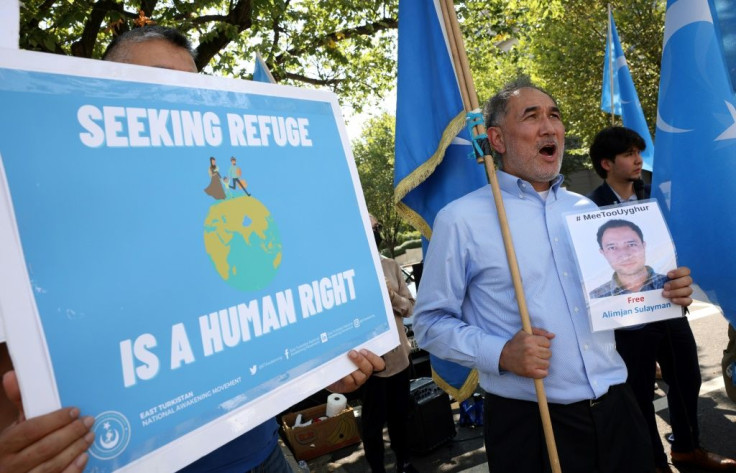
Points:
point(346, 45)
point(575, 44)
point(560, 44)
point(374, 157)
point(349, 46)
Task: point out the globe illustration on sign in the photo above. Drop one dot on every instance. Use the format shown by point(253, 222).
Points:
point(243, 242)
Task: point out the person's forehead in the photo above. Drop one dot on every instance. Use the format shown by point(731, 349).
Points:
point(528, 97)
point(160, 53)
point(620, 233)
point(631, 149)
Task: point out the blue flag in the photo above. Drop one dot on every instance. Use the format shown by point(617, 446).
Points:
point(696, 148)
point(434, 162)
point(727, 25)
point(261, 73)
point(624, 97)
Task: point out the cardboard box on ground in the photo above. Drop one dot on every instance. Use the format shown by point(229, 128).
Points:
point(320, 437)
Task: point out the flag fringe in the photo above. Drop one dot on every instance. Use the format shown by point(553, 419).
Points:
point(414, 219)
point(421, 173)
point(462, 393)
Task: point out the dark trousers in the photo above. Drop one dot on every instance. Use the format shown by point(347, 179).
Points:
point(237, 181)
point(385, 400)
point(671, 343)
point(606, 436)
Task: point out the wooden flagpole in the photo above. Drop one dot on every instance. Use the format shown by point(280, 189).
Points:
point(611, 53)
point(470, 100)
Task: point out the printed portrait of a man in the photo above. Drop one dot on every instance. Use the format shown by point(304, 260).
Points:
point(622, 244)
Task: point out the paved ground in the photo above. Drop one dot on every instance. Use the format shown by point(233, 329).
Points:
point(466, 453)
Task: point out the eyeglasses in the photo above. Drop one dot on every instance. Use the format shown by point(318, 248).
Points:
point(629, 246)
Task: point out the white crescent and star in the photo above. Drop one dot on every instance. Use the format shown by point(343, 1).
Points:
point(618, 65)
point(112, 443)
point(664, 126)
point(730, 133)
point(460, 141)
point(620, 62)
point(683, 13)
point(679, 15)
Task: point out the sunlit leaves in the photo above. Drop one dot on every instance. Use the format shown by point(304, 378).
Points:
point(347, 46)
point(374, 157)
point(560, 45)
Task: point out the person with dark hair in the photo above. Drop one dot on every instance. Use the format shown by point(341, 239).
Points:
point(622, 243)
point(615, 154)
point(155, 46)
point(467, 313)
point(58, 441)
point(215, 188)
point(616, 223)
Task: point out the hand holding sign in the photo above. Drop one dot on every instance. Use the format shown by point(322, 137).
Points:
point(53, 442)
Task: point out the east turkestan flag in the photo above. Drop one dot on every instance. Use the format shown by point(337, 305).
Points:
point(696, 144)
point(618, 89)
point(434, 157)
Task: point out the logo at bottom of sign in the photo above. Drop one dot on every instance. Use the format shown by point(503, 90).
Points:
point(112, 434)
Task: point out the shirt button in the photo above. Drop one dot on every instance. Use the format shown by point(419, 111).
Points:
point(564, 274)
point(586, 346)
point(576, 309)
point(595, 383)
point(557, 239)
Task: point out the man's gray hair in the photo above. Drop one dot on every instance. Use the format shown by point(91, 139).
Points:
point(495, 109)
point(117, 50)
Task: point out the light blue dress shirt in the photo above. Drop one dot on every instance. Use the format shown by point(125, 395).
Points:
point(466, 309)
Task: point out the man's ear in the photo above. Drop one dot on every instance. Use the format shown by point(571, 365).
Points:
point(495, 137)
point(607, 164)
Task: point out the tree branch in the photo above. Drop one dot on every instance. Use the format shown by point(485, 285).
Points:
point(86, 44)
point(241, 16)
point(276, 28)
point(201, 20)
point(148, 6)
point(337, 36)
point(313, 81)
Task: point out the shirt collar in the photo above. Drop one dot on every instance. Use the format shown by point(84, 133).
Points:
point(521, 188)
point(632, 197)
point(650, 277)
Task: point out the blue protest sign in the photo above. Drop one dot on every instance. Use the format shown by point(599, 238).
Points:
point(196, 251)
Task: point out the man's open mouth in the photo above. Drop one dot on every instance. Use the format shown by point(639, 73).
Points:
point(548, 150)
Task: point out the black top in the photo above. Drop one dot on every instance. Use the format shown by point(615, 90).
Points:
point(604, 195)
